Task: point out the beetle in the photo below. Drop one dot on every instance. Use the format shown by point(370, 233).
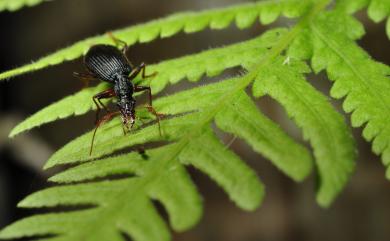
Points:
point(110, 64)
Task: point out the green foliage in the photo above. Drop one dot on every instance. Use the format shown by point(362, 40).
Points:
point(363, 82)
point(378, 10)
point(321, 124)
point(210, 62)
point(275, 63)
point(13, 5)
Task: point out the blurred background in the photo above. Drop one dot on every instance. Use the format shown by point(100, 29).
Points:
point(289, 211)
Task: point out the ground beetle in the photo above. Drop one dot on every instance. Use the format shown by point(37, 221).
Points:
point(109, 64)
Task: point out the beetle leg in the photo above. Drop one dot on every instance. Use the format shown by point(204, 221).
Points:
point(139, 88)
point(84, 77)
point(144, 76)
point(123, 44)
point(117, 41)
point(150, 106)
point(141, 68)
point(103, 120)
point(97, 100)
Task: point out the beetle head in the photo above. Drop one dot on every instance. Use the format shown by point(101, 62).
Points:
point(127, 109)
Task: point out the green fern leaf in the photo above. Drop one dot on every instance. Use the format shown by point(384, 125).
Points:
point(76, 104)
point(236, 178)
point(13, 5)
point(328, 134)
point(244, 120)
point(204, 152)
point(158, 179)
point(212, 163)
point(130, 164)
point(211, 157)
point(121, 206)
point(363, 82)
point(188, 22)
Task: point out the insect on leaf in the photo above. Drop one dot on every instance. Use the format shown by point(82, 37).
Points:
point(111, 194)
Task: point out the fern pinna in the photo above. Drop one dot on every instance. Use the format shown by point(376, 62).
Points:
point(323, 38)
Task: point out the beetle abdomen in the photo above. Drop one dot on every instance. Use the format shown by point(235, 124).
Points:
point(106, 62)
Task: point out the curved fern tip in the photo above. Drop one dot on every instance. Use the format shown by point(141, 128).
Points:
point(324, 199)
point(256, 203)
point(57, 178)
point(48, 165)
point(14, 132)
point(323, 203)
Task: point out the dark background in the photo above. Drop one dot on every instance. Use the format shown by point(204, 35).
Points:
point(289, 211)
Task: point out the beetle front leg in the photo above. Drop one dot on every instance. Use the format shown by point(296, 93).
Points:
point(97, 100)
point(139, 88)
point(150, 107)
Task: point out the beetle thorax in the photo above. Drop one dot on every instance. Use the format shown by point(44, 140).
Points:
point(123, 88)
point(124, 91)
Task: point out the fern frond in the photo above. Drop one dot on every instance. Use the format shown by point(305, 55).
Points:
point(120, 202)
point(242, 119)
point(329, 135)
point(121, 205)
point(108, 208)
point(244, 16)
point(203, 151)
point(210, 62)
point(363, 82)
point(13, 5)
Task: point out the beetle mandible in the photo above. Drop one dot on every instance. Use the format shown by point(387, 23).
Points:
point(109, 64)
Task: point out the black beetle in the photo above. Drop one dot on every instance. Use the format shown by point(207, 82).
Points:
point(108, 63)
